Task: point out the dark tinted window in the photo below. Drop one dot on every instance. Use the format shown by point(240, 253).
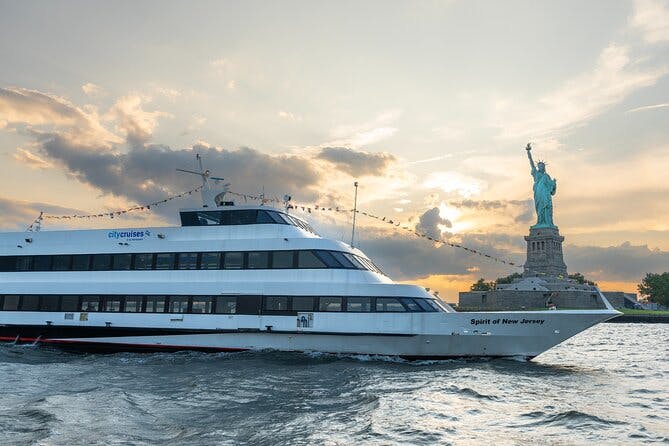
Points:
point(178, 304)
point(81, 262)
point(307, 259)
point(276, 303)
point(359, 304)
point(210, 260)
point(11, 303)
point(303, 303)
point(282, 259)
point(248, 304)
point(422, 303)
point(122, 261)
point(389, 305)
point(90, 303)
point(30, 303)
point(49, 303)
point(133, 304)
point(155, 304)
point(411, 305)
point(328, 259)
point(69, 303)
point(346, 263)
point(258, 260)
point(330, 304)
point(201, 304)
point(354, 261)
point(112, 304)
point(61, 263)
point(143, 261)
point(278, 218)
point(165, 260)
point(243, 217)
point(226, 304)
point(264, 217)
point(42, 263)
point(187, 260)
point(101, 262)
point(24, 263)
point(233, 260)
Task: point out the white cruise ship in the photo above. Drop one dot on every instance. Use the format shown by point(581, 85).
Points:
point(234, 278)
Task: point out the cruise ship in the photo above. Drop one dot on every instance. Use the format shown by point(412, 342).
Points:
point(235, 278)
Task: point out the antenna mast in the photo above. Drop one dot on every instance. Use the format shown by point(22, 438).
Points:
point(207, 199)
point(355, 211)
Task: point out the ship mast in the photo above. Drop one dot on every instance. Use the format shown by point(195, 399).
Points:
point(208, 200)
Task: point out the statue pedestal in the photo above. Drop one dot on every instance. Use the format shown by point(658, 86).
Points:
point(544, 253)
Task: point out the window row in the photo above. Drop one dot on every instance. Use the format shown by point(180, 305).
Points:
point(241, 217)
point(188, 260)
point(278, 305)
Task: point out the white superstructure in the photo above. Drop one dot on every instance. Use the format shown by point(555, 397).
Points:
point(238, 278)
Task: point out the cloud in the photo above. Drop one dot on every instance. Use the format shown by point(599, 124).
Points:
point(93, 90)
point(367, 133)
point(283, 114)
point(429, 222)
point(30, 159)
point(17, 215)
point(648, 107)
point(133, 121)
point(454, 182)
point(356, 162)
point(578, 100)
point(20, 106)
point(651, 18)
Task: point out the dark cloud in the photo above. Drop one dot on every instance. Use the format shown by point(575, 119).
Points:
point(428, 221)
point(355, 162)
point(17, 215)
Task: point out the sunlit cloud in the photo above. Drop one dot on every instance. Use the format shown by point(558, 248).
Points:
point(651, 18)
point(648, 107)
point(30, 159)
point(454, 182)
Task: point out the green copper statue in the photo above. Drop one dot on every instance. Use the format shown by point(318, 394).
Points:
point(544, 189)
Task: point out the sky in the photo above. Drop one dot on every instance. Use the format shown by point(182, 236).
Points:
point(428, 105)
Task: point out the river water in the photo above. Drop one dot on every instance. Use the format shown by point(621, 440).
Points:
point(609, 385)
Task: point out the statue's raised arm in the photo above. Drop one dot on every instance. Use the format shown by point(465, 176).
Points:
point(529, 155)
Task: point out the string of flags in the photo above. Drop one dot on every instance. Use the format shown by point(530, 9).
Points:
point(112, 214)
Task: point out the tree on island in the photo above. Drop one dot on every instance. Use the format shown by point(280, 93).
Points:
point(580, 279)
point(508, 279)
point(482, 285)
point(655, 288)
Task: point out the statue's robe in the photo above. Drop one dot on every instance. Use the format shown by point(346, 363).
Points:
point(544, 189)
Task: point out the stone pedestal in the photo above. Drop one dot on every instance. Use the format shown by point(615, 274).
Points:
point(544, 253)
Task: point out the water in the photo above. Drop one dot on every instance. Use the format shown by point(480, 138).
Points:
point(609, 385)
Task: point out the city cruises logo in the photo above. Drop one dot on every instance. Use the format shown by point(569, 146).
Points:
point(129, 236)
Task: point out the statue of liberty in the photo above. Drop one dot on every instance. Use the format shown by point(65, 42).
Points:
point(544, 189)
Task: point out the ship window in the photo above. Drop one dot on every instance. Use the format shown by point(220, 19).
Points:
point(81, 262)
point(155, 304)
point(425, 306)
point(233, 260)
point(61, 263)
point(24, 263)
point(210, 260)
point(307, 259)
point(112, 304)
point(30, 303)
point(328, 258)
point(42, 263)
point(276, 303)
point(264, 217)
point(282, 259)
point(143, 261)
point(243, 217)
point(187, 260)
point(69, 303)
point(7, 263)
point(201, 304)
point(226, 304)
point(258, 260)
point(133, 304)
point(101, 262)
point(354, 260)
point(359, 304)
point(122, 261)
point(49, 302)
point(248, 304)
point(165, 260)
point(205, 218)
point(303, 303)
point(346, 263)
point(411, 305)
point(90, 303)
point(330, 304)
point(389, 304)
point(11, 303)
point(278, 218)
point(178, 304)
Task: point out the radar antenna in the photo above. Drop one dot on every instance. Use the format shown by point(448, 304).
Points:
point(207, 199)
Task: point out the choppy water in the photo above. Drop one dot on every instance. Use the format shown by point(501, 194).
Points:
point(609, 385)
